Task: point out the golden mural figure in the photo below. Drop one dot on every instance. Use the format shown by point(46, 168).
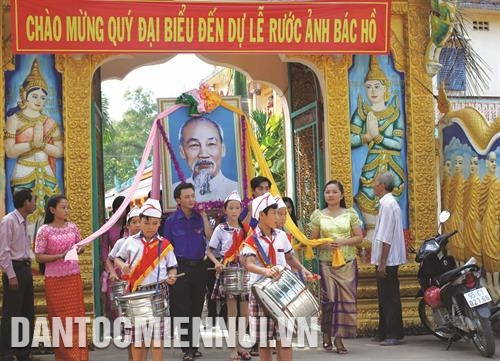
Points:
point(491, 229)
point(380, 126)
point(472, 224)
point(456, 244)
point(35, 140)
point(445, 191)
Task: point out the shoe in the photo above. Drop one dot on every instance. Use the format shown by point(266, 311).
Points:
point(197, 354)
point(244, 355)
point(187, 357)
point(254, 350)
point(392, 342)
point(377, 339)
point(327, 342)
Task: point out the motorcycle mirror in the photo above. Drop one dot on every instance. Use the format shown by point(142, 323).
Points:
point(444, 216)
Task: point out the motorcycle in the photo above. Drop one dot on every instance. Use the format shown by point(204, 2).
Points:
point(454, 304)
point(495, 319)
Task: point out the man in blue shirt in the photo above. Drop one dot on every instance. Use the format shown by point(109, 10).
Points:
point(187, 230)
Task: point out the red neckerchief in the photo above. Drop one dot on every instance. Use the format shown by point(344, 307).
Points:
point(271, 253)
point(231, 256)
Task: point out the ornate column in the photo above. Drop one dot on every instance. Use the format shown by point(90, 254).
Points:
point(336, 73)
point(420, 131)
point(76, 87)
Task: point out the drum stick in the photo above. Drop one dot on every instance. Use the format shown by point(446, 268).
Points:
point(179, 275)
point(211, 269)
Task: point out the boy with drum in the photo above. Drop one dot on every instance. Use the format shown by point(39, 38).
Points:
point(261, 253)
point(145, 258)
point(133, 227)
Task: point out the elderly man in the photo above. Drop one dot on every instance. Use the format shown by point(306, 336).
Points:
point(202, 147)
point(388, 252)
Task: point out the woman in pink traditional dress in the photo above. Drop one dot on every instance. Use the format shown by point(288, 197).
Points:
point(63, 283)
point(111, 273)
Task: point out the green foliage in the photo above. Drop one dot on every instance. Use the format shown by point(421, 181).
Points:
point(271, 137)
point(107, 125)
point(129, 137)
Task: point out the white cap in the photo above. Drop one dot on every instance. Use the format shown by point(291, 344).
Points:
point(261, 203)
point(134, 212)
point(233, 196)
point(281, 203)
point(151, 208)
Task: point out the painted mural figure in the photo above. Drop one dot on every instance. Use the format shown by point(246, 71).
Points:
point(35, 140)
point(456, 244)
point(380, 126)
point(491, 227)
point(472, 224)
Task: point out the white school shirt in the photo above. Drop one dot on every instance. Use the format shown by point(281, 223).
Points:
point(132, 250)
point(116, 248)
point(281, 245)
point(222, 238)
point(389, 229)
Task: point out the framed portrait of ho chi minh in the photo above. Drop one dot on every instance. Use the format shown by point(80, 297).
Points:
point(204, 150)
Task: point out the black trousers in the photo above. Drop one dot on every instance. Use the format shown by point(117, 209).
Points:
point(19, 303)
point(389, 305)
point(187, 296)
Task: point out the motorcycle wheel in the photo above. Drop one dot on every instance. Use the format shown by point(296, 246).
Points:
point(427, 318)
point(482, 336)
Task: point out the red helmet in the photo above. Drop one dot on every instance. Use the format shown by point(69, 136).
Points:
point(432, 296)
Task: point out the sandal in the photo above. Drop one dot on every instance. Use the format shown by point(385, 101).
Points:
point(340, 348)
point(244, 355)
point(327, 342)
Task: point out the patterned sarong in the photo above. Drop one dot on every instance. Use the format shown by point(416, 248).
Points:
point(339, 292)
point(65, 299)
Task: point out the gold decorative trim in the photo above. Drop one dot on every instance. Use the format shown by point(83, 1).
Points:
point(399, 8)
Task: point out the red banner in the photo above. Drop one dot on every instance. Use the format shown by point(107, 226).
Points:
point(91, 26)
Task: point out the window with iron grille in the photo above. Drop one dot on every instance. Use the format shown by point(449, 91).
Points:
point(481, 25)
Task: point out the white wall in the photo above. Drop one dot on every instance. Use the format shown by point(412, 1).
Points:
point(487, 44)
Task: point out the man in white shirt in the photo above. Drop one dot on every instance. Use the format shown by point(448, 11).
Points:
point(388, 252)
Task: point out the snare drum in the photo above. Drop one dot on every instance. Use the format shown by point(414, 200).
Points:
point(236, 281)
point(144, 306)
point(118, 289)
point(286, 299)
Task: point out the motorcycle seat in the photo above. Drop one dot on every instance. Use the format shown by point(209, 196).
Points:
point(450, 275)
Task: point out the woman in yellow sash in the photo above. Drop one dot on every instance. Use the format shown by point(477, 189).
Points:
point(338, 285)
